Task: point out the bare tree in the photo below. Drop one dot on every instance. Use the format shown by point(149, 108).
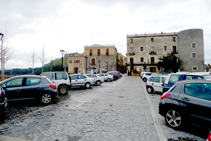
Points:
point(43, 56)
point(6, 53)
point(32, 58)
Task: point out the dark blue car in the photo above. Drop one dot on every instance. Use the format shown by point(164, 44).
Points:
point(188, 101)
point(25, 87)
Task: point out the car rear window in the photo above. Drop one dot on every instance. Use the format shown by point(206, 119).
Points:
point(189, 77)
point(174, 78)
point(32, 81)
point(200, 90)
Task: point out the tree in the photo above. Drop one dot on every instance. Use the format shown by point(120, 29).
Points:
point(6, 52)
point(170, 63)
point(43, 57)
point(32, 60)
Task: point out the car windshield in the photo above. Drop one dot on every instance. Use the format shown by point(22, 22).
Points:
point(174, 78)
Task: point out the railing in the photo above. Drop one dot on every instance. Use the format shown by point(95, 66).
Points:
point(174, 52)
point(152, 34)
point(152, 52)
point(131, 53)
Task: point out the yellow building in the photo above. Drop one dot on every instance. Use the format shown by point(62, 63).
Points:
point(101, 56)
point(76, 63)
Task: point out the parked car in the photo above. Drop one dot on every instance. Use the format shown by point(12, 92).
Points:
point(116, 72)
point(25, 87)
point(106, 76)
point(60, 79)
point(147, 76)
point(155, 83)
point(98, 80)
point(114, 75)
point(187, 101)
point(80, 80)
point(3, 100)
point(174, 77)
point(142, 73)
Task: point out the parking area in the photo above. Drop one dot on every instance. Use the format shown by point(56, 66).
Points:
point(118, 110)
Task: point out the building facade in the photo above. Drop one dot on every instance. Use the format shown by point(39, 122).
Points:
point(146, 49)
point(76, 63)
point(101, 56)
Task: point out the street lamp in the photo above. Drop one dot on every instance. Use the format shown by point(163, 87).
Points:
point(86, 57)
point(62, 53)
point(107, 66)
point(99, 65)
point(1, 34)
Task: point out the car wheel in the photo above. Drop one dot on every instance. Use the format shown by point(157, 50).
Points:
point(46, 98)
point(108, 79)
point(144, 79)
point(150, 90)
point(87, 85)
point(98, 83)
point(63, 89)
point(174, 119)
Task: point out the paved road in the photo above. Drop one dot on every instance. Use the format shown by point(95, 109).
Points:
point(119, 110)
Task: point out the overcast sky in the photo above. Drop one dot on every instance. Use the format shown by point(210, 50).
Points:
point(72, 24)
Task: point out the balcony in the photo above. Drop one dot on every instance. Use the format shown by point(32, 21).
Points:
point(131, 53)
point(174, 52)
point(152, 53)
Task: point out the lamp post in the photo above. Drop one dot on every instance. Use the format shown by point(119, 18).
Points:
point(1, 34)
point(86, 57)
point(107, 66)
point(99, 65)
point(62, 53)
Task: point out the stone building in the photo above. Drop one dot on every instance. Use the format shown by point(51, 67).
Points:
point(145, 49)
point(103, 56)
point(76, 63)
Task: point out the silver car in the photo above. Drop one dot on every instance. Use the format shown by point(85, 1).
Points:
point(78, 80)
point(98, 80)
point(106, 76)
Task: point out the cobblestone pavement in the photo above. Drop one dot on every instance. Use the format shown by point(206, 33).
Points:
point(115, 111)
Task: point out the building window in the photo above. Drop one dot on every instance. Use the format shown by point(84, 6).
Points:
point(165, 48)
point(98, 52)
point(193, 45)
point(152, 60)
point(194, 68)
point(90, 52)
point(174, 39)
point(193, 55)
point(131, 40)
point(107, 51)
point(152, 49)
point(152, 39)
point(142, 59)
point(174, 49)
point(142, 48)
point(70, 60)
point(93, 61)
point(76, 60)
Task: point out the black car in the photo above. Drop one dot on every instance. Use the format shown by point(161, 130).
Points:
point(25, 87)
point(3, 100)
point(114, 75)
point(187, 101)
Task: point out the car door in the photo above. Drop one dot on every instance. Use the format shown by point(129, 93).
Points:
point(82, 80)
point(156, 83)
point(31, 88)
point(13, 88)
point(196, 100)
point(74, 80)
